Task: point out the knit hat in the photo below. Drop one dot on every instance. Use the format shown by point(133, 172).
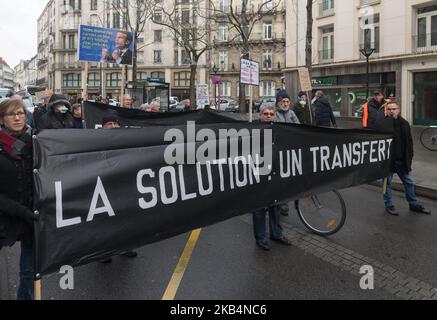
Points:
point(282, 95)
point(110, 116)
point(57, 98)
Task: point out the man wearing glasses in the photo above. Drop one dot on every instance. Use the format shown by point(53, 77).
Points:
point(267, 114)
point(401, 161)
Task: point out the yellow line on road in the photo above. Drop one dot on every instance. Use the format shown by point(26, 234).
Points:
point(178, 274)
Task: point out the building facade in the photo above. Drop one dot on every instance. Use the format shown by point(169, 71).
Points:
point(25, 73)
point(6, 75)
point(402, 35)
point(158, 55)
point(267, 47)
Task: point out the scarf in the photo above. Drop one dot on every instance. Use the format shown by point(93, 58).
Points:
point(16, 146)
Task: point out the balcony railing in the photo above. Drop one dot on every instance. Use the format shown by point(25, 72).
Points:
point(326, 56)
point(364, 3)
point(67, 65)
point(425, 43)
point(326, 8)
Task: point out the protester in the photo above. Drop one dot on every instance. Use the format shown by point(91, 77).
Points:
point(29, 116)
point(401, 162)
point(110, 120)
point(375, 110)
point(41, 110)
point(127, 101)
point(187, 104)
point(285, 114)
point(267, 114)
point(302, 109)
point(323, 111)
point(155, 107)
point(58, 116)
point(77, 116)
point(16, 200)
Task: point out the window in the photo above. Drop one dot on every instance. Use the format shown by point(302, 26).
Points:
point(113, 79)
point(267, 88)
point(267, 27)
point(267, 60)
point(157, 56)
point(327, 45)
point(427, 27)
point(223, 33)
point(94, 79)
point(141, 76)
point(185, 18)
point(182, 79)
point(223, 61)
point(370, 24)
point(326, 7)
point(225, 89)
point(158, 74)
point(71, 42)
point(186, 59)
point(94, 20)
point(71, 80)
point(158, 16)
point(93, 4)
point(224, 6)
point(158, 35)
point(116, 20)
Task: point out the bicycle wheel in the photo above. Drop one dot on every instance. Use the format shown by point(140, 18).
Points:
point(323, 214)
point(428, 138)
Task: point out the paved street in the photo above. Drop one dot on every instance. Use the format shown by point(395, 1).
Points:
point(226, 264)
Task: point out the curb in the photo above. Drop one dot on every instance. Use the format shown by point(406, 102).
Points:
point(4, 285)
point(421, 191)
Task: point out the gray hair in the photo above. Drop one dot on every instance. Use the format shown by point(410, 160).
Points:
point(267, 107)
point(319, 94)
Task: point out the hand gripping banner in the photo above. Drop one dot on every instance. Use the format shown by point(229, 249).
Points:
point(102, 192)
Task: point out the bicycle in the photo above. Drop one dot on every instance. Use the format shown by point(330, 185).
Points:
point(323, 214)
point(428, 138)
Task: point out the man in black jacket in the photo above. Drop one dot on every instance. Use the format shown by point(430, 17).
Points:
point(323, 111)
point(401, 161)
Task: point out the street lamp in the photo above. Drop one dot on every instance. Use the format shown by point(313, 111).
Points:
point(215, 69)
point(367, 51)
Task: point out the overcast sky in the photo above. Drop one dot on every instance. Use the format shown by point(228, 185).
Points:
point(18, 29)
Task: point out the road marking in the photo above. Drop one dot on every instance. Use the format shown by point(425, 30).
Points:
point(178, 274)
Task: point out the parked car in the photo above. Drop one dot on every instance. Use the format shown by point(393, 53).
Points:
point(232, 106)
point(5, 93)
point(173, 103)
point(114, 103)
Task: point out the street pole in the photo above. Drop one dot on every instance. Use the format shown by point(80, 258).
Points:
point(368, 78)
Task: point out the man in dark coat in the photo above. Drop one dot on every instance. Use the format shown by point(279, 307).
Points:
point(323, 111)
point(402, 153)
point(375, 109)
point(58, 116)
point(302, 109)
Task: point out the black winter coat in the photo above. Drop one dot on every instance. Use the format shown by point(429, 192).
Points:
point(407, 139)
point(323, 113)
point(376, 112)
point(53, 120)
point(16, 196)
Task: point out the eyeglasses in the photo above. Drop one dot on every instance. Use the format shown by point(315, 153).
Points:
point(13, 115)
point(269, 114)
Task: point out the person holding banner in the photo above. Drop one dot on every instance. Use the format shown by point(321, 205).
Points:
point(267, 114)
point(122, 53)
point(16, 189)
point(58, 116)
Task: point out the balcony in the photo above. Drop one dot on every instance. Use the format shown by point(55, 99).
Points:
point(365, 3)
point(41, 62)
point(67, 65)
point(425, 43)
point(41, 82)
point(60, 47)
point(326, 8)
point(326, 56)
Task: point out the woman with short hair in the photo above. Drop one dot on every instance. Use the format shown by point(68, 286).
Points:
point(16, 185)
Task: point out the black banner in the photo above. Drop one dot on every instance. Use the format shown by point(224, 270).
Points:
point(102, 192)
point(93, 114)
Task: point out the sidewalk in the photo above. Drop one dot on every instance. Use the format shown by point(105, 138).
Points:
point(4, 295)
point(424, 164)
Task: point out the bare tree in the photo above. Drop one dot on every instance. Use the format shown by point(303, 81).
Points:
point(241, 17)
point(188, 28)
point(134, 15)
point(309, 36)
